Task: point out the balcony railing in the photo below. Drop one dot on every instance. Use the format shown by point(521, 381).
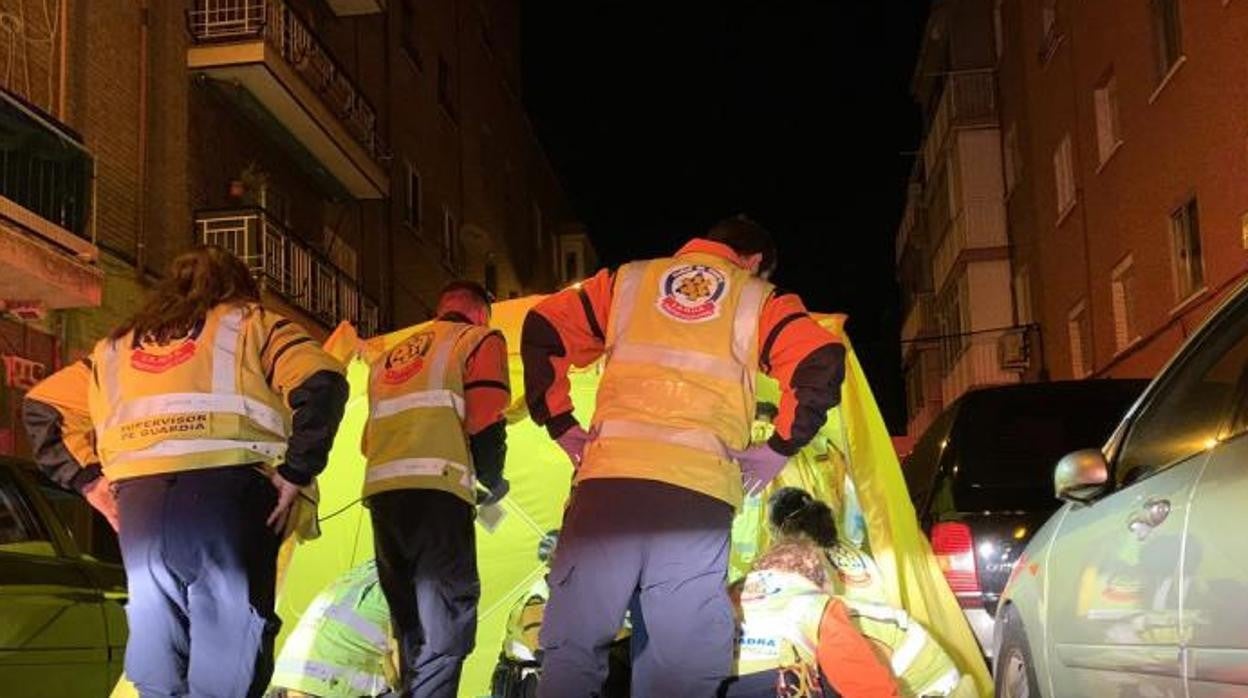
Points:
point(920, 319)
point(969, 99)
point(218, 21)
point(978, 225)
point(979, 364)
point(289, 267)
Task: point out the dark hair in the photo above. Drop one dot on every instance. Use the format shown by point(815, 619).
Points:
point(794, 513)
point(466, 287)
point(746, 237)
point(767, 409)
point(196, 282)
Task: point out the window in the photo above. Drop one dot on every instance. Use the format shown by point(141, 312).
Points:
point(1022, 297)
point(1011, 163)
point(571, 266)
point(413, 202)
point(446, 88)
point(1186, 411)
point(20, 531)
point(91, 532)
point(1167, 36)
point(1064, 176)
point(539, 235)
point(1189, 267)
point(1049, 37)
point(951, 323)
point(408, 27)
point(450, 237)
point(998, 27)
point(1122, 292)
point(915, 399)
point(1108, 131)
point(1079, 329)
point(491, 278)
point(341, 254)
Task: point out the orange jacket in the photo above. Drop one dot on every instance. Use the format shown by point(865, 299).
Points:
point(847, 659)
point(568, 329)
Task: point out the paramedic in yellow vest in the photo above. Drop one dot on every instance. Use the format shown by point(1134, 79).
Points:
point(435, 430)
point(668, 454)
point(192, 428)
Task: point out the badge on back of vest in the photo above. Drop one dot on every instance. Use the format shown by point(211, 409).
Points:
point(692, 292)
point(408, 358)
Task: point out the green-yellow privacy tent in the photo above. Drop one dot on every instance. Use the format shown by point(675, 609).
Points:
point(540, 476)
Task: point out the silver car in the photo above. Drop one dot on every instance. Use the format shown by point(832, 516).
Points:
point(1138, 585)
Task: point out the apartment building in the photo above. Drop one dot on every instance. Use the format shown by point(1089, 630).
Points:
point(952, 245)
point(356, 154)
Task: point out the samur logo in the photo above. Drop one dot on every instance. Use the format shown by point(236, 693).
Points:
point(692, 292)
point(150, 357)
point(407, 359)
point(850, 567)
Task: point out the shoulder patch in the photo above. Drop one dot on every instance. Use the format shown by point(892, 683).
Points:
point(692, 292)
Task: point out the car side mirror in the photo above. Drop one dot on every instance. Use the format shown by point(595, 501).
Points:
point(1081, 475)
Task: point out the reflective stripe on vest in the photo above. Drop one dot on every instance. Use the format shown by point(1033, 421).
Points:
point(366, 684)
point(345, 614)
point(184, 447)
point(178, 403)
point(642, 431)
point(943, 686)
point(412, 401)
point(408, 467)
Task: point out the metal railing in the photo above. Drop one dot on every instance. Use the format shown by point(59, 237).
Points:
point(977, 225)
point(289, 267)
point(214, 21)
point(969, 99)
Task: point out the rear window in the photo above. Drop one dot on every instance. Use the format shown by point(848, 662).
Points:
point(1008, 442)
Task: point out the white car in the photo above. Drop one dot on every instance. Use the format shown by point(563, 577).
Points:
point(1138, 585)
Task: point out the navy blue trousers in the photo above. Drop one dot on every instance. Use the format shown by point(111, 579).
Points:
point(201, 568)
point(427, 565)
point(666, 546)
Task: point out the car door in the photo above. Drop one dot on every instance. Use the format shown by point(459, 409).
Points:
point(53, 637)
point(1116, 580)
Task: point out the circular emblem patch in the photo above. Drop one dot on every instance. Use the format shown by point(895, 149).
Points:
point(406, 360)
point(850, 567)
point(692, 292)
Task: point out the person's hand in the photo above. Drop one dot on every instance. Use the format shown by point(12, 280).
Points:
point(573, 442)
point(287, 491)
point(760, 464)
point(494, 493)
point(100, 496)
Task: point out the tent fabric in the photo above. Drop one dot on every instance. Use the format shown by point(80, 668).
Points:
point(540, 476)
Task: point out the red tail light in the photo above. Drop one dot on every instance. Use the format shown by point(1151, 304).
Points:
point(954, 547)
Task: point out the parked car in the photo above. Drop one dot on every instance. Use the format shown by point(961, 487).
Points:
point(1138, 585)
point(62, 590)
point(980, 477)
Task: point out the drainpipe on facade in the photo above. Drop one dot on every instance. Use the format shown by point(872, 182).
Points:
point(63, 50)
point(140, 236)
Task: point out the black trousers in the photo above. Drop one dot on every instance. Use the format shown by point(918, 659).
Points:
point(425, 545)
point(201, 567)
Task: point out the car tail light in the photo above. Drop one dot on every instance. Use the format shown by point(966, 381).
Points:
point(954, 547)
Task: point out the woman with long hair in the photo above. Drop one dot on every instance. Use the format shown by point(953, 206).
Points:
point(192, 427)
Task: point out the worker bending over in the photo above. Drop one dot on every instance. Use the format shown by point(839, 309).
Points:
point(657, 482)
point(171, 428)
point(435, 429)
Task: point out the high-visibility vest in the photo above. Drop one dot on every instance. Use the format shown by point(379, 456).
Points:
point(341, 646)
point(198, 402)
point(415, 437)
point(677, 389)
point(781, 613)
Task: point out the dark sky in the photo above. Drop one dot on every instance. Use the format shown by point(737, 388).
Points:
point(662, 117)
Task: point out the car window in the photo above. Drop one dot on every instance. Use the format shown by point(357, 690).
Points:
point(920, 466)
point(1186, 413)
point(20, 530)
point(89, 529)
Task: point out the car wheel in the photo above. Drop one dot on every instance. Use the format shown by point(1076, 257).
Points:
point(1016, 673)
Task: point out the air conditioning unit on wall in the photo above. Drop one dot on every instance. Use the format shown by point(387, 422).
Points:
point(1014, 350)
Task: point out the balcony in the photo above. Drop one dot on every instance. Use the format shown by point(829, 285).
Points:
point(920, 319)
point(978, 364)
point(979, 226)
point(288, 267)
point(46, 250)
point(969, 100)
point(351, 8)
point(272, 64)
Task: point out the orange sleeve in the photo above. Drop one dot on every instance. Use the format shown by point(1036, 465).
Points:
point(807, 361)
point(567, 329)
point(487, 384)
point(847, 659)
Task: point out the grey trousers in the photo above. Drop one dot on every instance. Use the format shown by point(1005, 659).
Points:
point(668, 545)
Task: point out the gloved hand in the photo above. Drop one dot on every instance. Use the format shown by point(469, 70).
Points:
point(573, 442)
point(494, 493)
point(760, 464)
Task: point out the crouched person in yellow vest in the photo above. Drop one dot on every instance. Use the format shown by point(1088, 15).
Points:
point(341, 647)
point(203, 416)
point(435, 430)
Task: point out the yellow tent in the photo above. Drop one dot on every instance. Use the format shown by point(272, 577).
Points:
point(540, 477)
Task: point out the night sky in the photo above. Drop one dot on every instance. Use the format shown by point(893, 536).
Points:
point(662, 117)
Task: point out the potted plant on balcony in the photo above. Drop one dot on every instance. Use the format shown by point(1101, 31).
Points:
point(248, 188)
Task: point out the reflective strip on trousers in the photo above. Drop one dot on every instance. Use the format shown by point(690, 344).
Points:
point(180, 403)
point(368, 684)
point(690, 438)
point(422, 399)
point(413, 467)
point(183, 447)
point(346, 615)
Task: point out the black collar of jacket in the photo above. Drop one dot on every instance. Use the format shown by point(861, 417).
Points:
point(455, 316)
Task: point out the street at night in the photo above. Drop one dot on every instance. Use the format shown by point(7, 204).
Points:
point(502, 349)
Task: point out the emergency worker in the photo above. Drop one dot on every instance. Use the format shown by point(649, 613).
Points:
point(172, 428)
point(435, 431)
point(658, 480)
point(341, 647)
point(796, 640)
